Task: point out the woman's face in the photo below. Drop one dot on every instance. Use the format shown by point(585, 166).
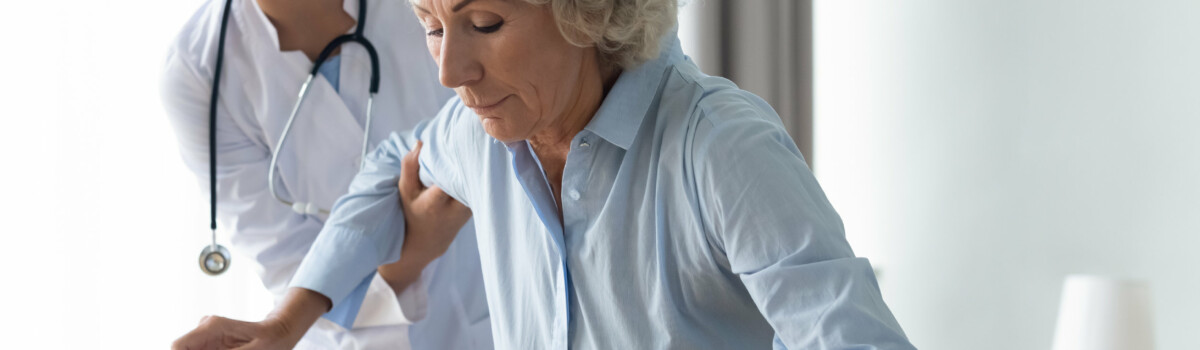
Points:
point(507, 60)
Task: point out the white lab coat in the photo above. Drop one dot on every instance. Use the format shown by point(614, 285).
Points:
point(259, 85)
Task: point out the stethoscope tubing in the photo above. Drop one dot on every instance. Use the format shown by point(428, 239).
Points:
point(213, 250)
point(212, 124)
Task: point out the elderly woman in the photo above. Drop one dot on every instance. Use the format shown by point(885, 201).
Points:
point(622, 199)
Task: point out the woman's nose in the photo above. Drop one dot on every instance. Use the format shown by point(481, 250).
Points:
point(458, 66)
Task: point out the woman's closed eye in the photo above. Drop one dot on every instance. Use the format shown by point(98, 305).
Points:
point(482, 29)
point(489, 29)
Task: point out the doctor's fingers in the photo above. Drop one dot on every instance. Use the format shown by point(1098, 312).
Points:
point(442, 203)
point(262, 344)
point(215, 332)
point(410, 178)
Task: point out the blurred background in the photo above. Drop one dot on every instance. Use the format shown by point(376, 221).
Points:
point(978, 151)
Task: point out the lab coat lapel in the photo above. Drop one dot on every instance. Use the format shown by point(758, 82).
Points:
point(322, 150)
point(355, 75)
point(355, 80)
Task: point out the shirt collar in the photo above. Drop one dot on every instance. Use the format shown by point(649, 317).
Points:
point(628, 102)
point(351, 8)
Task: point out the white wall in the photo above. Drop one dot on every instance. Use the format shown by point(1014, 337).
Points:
point(103, 225)
point(979, 151)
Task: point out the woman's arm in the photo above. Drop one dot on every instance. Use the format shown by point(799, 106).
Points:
point(768, 215)
point(367, 225)
point(427, 210)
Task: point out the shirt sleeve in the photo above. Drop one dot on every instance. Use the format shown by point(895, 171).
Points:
point(260, 227)
point(765, 212)
point(366, 226)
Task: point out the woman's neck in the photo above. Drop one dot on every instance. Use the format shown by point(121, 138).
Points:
point(306, 25)
point(553, 143)
point(594, 86)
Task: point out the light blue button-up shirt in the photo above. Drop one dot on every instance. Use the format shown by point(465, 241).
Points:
point(689, 221)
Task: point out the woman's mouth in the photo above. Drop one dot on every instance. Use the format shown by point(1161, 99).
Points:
point(488, 110)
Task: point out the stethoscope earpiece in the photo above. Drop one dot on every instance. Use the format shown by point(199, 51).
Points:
point(214, 259)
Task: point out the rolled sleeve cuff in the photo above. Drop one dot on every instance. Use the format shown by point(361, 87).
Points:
point(340, 266)
point(346, 313)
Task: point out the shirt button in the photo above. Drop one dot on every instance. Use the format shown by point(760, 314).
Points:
point(574, 194)
point(584, 144)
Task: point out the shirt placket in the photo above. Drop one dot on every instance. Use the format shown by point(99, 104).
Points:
point(574, 204)
point(575, 185)
point(537, 189)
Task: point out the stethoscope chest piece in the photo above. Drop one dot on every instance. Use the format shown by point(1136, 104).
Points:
point(214, 259)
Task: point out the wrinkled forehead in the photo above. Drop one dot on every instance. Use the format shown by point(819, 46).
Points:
point(454, 4)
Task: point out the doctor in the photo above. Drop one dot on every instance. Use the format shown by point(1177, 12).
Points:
point(270, 46)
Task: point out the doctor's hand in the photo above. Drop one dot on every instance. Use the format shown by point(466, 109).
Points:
point(282, 329)
point(431, 222)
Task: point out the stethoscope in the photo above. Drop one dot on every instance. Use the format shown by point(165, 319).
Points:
point(215, 259)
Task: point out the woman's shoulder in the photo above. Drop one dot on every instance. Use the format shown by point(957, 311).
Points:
point(718, 101)
point(709, 106)
point(722, 117)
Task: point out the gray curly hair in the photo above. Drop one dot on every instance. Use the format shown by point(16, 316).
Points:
point(625, 32)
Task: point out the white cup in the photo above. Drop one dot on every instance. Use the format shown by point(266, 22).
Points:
point(1103, 313)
